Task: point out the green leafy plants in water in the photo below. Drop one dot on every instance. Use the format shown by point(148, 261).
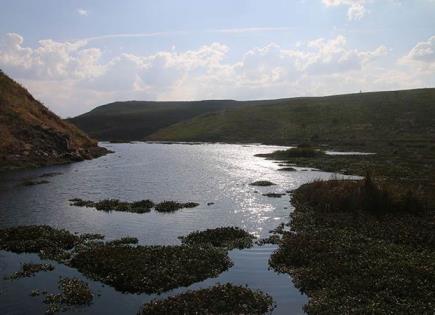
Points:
point(228, 237)
point(171, 206)
point(119, 263)
point(141, 206)
point(42, 239)
point(34, 182)
point(219, 299)
point(274, 195)
point(264, 183)
point(29, 270)
point(150, 269)
point(356, 249)
point(73, 292)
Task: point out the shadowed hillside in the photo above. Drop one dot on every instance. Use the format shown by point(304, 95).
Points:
point(354, 119)
point(135, 120)
point(31, 135)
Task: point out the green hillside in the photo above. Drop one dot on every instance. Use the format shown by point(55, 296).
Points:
point(354, 119)
point(135, 120)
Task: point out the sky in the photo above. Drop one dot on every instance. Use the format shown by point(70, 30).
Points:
point(76, 55)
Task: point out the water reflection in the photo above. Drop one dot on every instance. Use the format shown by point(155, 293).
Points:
point(217, 173)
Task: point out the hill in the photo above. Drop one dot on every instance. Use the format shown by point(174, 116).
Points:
point(31, 135)
point(135, 120)
point(346, 120)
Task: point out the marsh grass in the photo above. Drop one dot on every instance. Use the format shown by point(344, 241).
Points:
point(357, 248)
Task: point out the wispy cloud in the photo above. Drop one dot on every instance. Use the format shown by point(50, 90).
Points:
point(82, 12)
point(249, 30)
point(161, 34)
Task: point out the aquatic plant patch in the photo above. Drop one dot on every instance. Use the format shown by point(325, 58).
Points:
point(150, 269)
point(73, 292)
point(42, 239)
point(141, 206)
point(301, 152)
point(273, 195)
point(356, 261)
point(228, 237)
point(29, 270)
point(34, 182)
point(171, 206)
point(219, 299)
point(263, 183)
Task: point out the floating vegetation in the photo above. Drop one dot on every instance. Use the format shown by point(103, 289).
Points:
point(298, 152)
point(228, 237)
point(34, 182)
point(29, 270)
point(141, 206)
point(274, 195)
point(171, 206)
point(287, 169)
point(124, 241)
point(73, 292)
point(150, 269)
point(351, 256)
point(42, 239)
point(262, 183)
point(119, 263)
point(219, 299)
point(274, 238)
point(52, 174)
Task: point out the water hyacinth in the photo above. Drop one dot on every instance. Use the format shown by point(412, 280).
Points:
point(219, 299)
point(42, 239)
point(150, 269)
point(228, 237)
point(73, 292)
point(29, 270)
point(353, 259)
point(171, 206)
point(263, 183)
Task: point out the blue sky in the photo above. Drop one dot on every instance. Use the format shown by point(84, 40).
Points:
point(75, 55)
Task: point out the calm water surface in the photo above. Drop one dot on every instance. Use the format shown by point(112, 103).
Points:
point(218, 173)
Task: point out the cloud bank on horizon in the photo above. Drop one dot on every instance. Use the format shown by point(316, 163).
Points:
point(223, 59)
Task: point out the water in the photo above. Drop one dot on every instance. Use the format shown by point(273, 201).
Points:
point(203, 173)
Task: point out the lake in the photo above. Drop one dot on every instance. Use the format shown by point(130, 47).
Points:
point(204, 173)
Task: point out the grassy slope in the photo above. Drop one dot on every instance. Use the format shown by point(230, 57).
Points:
point(134, 120)
point(30, 132)
point(345, 119)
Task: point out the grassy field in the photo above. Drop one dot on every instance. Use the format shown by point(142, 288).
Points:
point(350, 120)
point(135, 120)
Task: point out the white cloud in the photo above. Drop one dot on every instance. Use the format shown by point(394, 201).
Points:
point(82, 12)
point(356, 8)
point(82, 78)
point(423, 51)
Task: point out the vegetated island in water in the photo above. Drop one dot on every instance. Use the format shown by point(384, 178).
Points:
point(141, 206)
point(362, 246)
point(119, 263)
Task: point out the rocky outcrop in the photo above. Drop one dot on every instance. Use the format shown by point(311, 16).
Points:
point(31, 135)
